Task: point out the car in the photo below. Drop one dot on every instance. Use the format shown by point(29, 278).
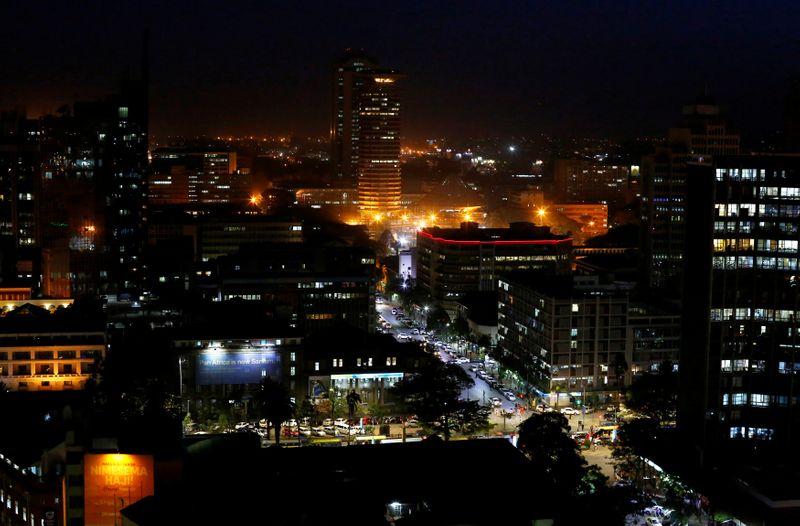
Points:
point(394, 311)
point(329, 430)
point(290, 423)
point(579, 436)
point(412, 422)
point(510, 397)
point(569, 411)
point(340, 422)
point(495, 401)
point(340, 430)
point(327, 422)
point(319, 431)
point(305, 431)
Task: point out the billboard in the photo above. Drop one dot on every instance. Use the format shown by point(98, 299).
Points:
point(113, 481)
point(222, 366)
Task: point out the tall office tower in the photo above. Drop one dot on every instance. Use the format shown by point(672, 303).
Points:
point(94, 162)
point(739, 359)
point(19, 200)
point(365, 131)
point(702, 134)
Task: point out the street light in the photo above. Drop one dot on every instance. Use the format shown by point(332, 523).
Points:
point(541, 213)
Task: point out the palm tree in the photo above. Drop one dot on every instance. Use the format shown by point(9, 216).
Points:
point(353, 399)
point(275, 404)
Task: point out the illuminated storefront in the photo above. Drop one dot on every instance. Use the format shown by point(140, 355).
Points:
point(370, 386)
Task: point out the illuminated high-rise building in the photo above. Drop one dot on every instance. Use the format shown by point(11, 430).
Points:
point(365, 132)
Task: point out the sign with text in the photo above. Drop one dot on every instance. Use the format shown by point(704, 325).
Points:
point(221, 367)
point(112, 482)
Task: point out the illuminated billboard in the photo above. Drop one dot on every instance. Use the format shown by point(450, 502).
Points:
point(222, 366)
point(113, 481)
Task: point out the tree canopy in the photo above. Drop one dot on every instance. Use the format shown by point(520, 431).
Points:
point(556, 460)
point(433, 395)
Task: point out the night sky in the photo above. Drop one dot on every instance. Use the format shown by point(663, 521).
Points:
point(617, 68)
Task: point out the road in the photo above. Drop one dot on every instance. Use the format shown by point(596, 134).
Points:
point(481, 390)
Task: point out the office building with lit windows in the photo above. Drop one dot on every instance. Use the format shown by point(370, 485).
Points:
point(584, 180)
point(702, 134)
point(578, 335)
point(454, 261)
point(182, 176)
point(739, 359)
point(365, 132)
point(310, 286)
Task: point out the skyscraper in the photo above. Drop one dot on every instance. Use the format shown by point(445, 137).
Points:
point(739, 360)
point(701, 135)
point(365, 131)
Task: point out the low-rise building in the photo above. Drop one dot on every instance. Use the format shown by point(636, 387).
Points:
point(42, 350)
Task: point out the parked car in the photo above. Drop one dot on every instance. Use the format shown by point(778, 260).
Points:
point(569, 411)
point(495, 401)
point(510, 397)
point(318, 431)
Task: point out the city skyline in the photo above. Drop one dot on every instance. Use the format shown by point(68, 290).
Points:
point(499, 69)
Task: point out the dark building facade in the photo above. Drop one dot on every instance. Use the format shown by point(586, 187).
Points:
point(311, 287)
point(702, 134)
point(79, 183)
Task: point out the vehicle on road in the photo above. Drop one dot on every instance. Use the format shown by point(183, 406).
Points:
point(569, 411)
point(495, 401)
point(510, 396)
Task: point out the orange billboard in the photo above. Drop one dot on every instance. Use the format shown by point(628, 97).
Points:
point(113, 481)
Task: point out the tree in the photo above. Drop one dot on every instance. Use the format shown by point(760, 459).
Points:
point(655, 395)
point(633, 440)
point(433, 395)
point(353, 399)
point(556, 460)
point(276, 405)
point(460, 327)
point(437, 319)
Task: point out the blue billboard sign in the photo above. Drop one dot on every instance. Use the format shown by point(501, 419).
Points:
point(219, 367)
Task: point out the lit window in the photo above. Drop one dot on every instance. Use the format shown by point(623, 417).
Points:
point(316, 366)
point(575, 307)
point(759, 400)
point(292, 356)
point(369, 362)
point(292, 370)
point(737, 432)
